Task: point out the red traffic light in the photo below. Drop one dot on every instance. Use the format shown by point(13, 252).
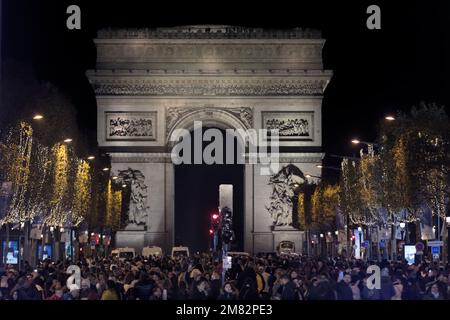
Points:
point(211, 231)
point(353, 237)
point(215, 216)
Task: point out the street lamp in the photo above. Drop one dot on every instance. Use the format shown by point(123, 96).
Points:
point(357, 141)
point(402, 225)
point(105, 169)
point(114, 177)
point(67, 140)
point(327, 167)
point(38, 117)
point(91, 158)
point(389, 118)
point(336, 232)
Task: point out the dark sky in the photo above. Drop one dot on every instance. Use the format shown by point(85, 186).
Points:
point(375, 72)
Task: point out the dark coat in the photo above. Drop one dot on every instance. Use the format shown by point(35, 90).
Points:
point(143, 289)
point(387, 289)
point(288, 291)
point(214, 289)
point(344, 292)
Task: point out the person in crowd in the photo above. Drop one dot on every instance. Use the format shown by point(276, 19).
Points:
point(288, 291)
point(58, 291)
point(200, 289)
point(157, 294)
point(248, 290)
point(110, 293)
point(398, 289)
point(387, 288)
point(229, 292)
point(433, 293)
point(144, 287)
point(343, 288)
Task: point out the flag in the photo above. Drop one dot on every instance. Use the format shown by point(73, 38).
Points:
point(65, 236)
point(383, 216)
point(398, 232)
point(374, 235)
point(36, 232)
point(340, 221)
point(426, 223)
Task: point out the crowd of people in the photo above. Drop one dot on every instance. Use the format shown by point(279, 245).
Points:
point(199, 277)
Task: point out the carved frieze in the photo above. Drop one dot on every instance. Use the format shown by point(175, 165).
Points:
point(291, 125)
point(130, 126)
point(200, 87)
point(174, 114)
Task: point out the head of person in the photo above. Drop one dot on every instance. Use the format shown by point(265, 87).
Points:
point(385, 272)
point(434, 290)
point(157, 292)
point(202, 285)
point(443, 278)
point(347, 278)
point(215, 275)
point(228, 287)
point(294, 274)
point(284, 279)
point(110, 284)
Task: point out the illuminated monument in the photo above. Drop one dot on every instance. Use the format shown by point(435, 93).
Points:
point(149, 82)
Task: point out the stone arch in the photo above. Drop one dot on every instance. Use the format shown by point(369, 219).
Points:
point(214, 117)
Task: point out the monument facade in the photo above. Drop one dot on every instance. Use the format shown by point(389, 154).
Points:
point(150, 82)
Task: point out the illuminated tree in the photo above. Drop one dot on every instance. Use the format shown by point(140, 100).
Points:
point(82, 193)
point(15, 167)
point(416, 155)
point(325, 201)
point(113, 207)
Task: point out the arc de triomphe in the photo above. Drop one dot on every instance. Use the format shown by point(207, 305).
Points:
point(149, 82)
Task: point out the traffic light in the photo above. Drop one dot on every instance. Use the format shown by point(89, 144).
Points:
point(215, 221)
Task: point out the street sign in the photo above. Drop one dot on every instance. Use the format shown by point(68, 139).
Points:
point(435, 250)
point(435, 243)
point(420, 246)
point(227, 263)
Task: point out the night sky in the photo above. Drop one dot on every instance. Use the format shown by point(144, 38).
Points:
point(375, 71)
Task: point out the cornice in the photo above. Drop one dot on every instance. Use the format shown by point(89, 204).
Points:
point(208, 32)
